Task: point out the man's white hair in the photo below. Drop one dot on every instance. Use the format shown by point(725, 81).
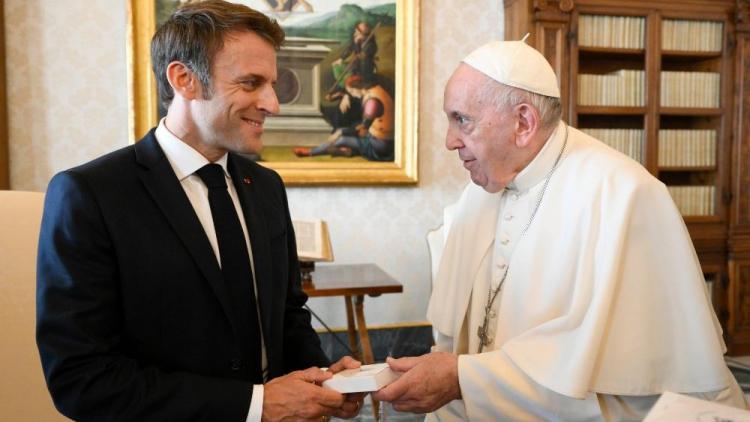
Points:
point(503, 97)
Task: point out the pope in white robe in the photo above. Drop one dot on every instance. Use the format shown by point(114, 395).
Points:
point(568, 287)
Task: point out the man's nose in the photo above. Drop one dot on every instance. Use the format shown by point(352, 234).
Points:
point(452, 141)
point(269, 102)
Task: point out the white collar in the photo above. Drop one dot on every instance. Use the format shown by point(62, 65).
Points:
point(539, 167)
point(185, 160)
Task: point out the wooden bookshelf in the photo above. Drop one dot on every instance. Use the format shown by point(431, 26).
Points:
point(611, 51)
point(685, 111)
point(611, 110)
point(690, 55)
point(709, 69)
point(687, 168)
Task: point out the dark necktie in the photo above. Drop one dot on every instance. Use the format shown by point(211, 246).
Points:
point(235, 266)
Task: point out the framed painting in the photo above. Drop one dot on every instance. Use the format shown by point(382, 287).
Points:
point(347, 88)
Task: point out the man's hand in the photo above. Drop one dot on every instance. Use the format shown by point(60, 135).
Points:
point(361, 131)
point(331, 96)
point(334, 137)
point(428, 383)
point(345, 104)
point(347, 362)
point(296, 397)
point(353, 401)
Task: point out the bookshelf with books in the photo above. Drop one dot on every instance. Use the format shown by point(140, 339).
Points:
point(666, 83)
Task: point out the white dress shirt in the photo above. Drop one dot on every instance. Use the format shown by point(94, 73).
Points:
point(185, 161)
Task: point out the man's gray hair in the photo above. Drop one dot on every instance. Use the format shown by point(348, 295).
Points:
point(503, 97)
point(195, 32)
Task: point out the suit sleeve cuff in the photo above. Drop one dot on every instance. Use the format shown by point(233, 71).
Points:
point(256, 404)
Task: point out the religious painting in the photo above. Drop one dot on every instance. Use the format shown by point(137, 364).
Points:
point(347, 88)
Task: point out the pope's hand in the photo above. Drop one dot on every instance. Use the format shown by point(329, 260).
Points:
point(298, 397)
point(428, 383)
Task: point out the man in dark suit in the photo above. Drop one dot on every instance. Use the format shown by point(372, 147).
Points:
point(151, 258)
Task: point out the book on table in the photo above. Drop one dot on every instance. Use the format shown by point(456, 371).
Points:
point(313, 240)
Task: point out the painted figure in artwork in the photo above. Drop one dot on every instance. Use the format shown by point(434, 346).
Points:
point(372, 137)
point(360, 54)
point(289, 5)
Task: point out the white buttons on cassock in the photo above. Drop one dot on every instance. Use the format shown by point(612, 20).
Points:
point(508, 217)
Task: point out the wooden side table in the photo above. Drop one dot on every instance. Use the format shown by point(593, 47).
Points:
point(353, 281)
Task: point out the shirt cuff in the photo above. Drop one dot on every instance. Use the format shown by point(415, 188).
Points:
point(256, 404)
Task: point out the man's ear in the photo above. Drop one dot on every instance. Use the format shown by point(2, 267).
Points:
point(183, 81)
point(527, 124)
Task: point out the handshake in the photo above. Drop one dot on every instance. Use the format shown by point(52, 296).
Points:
point(413, 384)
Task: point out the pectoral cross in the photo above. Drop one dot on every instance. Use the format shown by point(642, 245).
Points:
point(483, 330)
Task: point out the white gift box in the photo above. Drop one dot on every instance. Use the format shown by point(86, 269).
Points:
point(363, 379)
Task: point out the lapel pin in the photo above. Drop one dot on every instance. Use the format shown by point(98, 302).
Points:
point(246, 180)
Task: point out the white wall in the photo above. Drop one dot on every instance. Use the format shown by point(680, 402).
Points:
point(67, 95)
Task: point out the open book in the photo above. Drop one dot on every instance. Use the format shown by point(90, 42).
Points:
point(313, 241)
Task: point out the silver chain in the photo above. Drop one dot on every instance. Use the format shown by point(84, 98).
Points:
point(492, 294)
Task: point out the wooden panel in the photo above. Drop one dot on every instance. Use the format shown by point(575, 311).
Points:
point(653, 70)
point(551, 42)
point(738, 326)
point(702, 7)
point(740, 213)
point(517, 19)
point(552, 46)
point(724, 148)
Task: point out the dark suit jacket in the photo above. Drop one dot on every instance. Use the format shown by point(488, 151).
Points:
point(133, 319)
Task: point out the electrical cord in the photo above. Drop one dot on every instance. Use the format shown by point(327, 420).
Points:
point(335, 337)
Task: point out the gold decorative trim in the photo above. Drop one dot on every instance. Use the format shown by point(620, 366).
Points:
point(4, 131)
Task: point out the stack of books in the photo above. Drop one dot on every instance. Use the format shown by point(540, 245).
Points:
point(623, 88)
point(687, 148)
point(690, 89)
point(611, 31)
point(693, 200)
point(627, 141)
point(684, 35)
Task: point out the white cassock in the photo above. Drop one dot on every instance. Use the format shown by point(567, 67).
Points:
point(604, 306)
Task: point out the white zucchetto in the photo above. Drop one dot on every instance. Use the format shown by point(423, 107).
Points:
point(516, 64)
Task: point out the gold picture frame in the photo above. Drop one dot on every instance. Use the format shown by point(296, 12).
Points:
point(142, 22)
